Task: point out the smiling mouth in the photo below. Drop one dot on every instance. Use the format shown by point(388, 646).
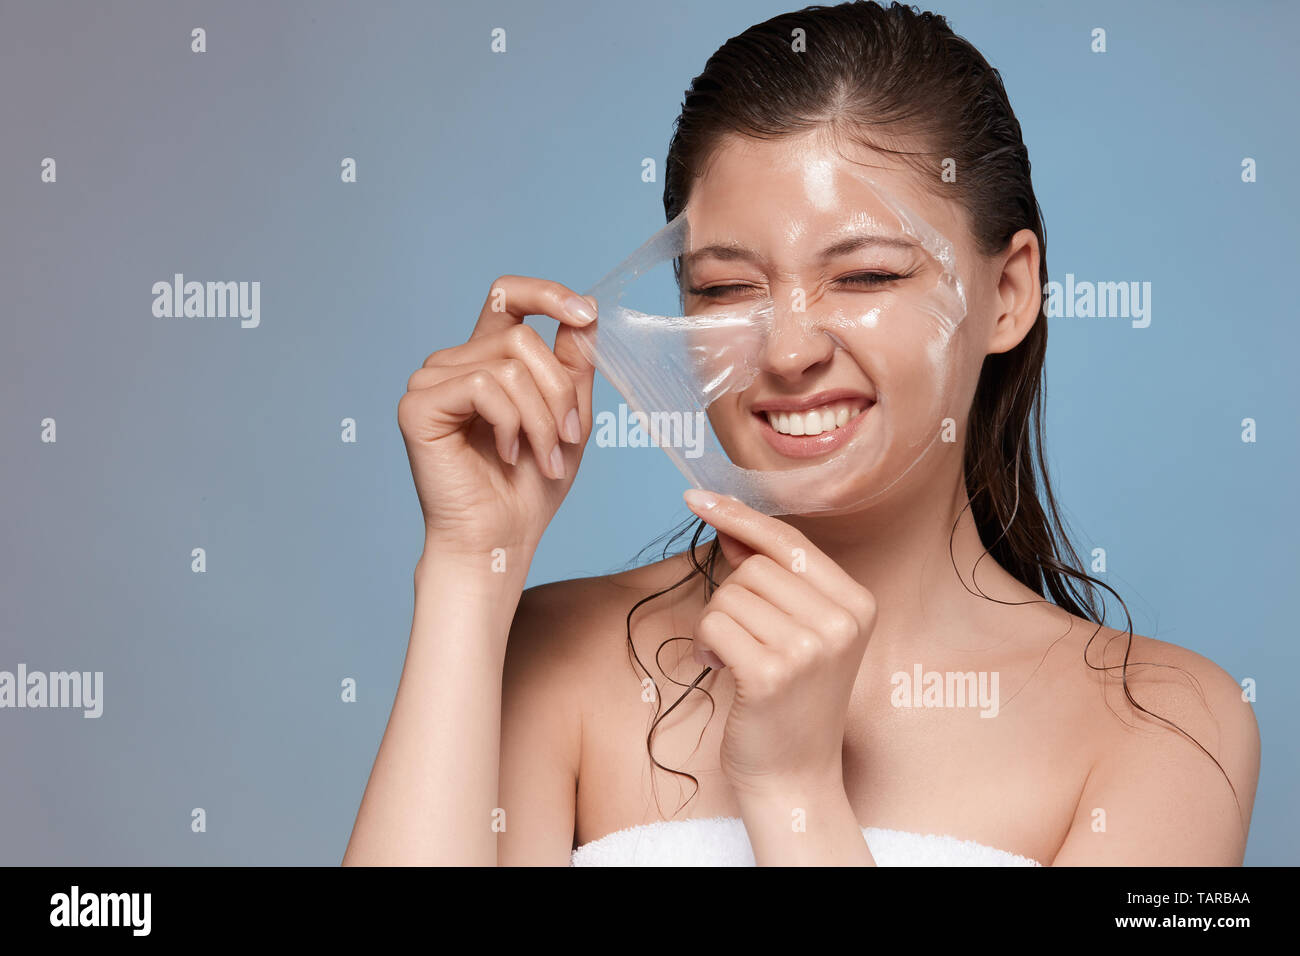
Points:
point(816, 425)
point(815, 421)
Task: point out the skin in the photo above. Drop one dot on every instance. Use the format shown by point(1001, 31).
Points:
point(522, 705)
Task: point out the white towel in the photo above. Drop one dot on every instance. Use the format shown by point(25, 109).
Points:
point(722, 841)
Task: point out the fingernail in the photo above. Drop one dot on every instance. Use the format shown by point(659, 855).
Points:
point(699, 499)
point(513, 455)
point(557, 462)
point(580, 309)
point(572, 427)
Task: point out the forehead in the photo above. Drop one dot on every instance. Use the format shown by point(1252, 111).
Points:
point(789, 194)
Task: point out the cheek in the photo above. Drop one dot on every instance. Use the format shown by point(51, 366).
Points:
point(966, 355)
point(728, 423)
point(913, 365)
point(724, 360)
point(924, 367)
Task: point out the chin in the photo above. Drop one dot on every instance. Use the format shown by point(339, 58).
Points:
point(890, 483)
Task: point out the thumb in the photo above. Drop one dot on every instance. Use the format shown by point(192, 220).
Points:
point(573, 345)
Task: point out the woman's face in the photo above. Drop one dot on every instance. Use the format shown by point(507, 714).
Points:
point(871, 354)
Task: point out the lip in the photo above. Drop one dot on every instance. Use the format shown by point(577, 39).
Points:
point(810, 446)
point(812, 401)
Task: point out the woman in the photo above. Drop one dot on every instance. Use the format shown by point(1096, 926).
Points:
point(530, 724)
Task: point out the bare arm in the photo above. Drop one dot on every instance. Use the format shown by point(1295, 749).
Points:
point(433, 789)
point(494, 429)
point(541, 720)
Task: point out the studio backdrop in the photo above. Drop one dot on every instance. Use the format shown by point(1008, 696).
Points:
point(208, 513)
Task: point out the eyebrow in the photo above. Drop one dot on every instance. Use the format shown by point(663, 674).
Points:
point(733, 252)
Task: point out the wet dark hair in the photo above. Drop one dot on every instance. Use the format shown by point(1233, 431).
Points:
point(863, 66)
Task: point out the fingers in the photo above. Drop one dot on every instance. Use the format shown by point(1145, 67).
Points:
point(569, 353)
point(522, 343)
point(428, 414)
point(788, 592)
point(780, 612)
point(531, 414)
point(513, 297)
point(771, 537)
point(763, 622)
point(790, 552)
point(719, 634)
point(733, 550)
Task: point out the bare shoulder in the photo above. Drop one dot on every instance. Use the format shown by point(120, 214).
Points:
point(1163, 719)
point(1164, 683)
point(1175, 753)
point(568, 659)
point(1093, 665)
point(562, 669)
point(579, 625)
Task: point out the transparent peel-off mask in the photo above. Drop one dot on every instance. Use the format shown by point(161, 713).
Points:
point(872, 325)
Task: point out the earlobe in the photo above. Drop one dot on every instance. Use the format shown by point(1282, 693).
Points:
point(1019, 293)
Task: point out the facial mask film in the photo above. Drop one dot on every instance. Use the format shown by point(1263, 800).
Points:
point(856, 300)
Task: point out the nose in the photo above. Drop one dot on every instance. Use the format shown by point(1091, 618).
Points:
point(796, 344)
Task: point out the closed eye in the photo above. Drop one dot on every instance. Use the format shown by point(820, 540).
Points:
point(860, 280)
point(871, 279)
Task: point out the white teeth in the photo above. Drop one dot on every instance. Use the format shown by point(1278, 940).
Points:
point(815, 420)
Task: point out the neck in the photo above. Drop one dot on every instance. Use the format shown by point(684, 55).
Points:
point(917, 553)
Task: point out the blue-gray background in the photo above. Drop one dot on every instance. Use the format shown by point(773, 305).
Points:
point(222, 689)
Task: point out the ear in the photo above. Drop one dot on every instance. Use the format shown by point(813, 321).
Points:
point(1019, 293)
